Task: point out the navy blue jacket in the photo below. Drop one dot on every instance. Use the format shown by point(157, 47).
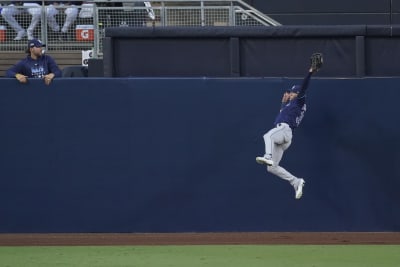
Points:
point(35, 68)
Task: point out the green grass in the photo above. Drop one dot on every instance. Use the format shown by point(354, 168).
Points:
point(209, 256)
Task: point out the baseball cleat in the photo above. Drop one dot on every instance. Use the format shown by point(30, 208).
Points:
point(299, 188)
point(262, 160)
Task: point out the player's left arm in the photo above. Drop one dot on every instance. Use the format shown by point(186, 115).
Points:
point(305, 84)
point(317, 60)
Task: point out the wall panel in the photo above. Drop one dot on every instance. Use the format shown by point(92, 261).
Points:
point(178, 155)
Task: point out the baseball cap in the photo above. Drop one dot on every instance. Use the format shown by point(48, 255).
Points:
point(295, 89)
point(35, 43)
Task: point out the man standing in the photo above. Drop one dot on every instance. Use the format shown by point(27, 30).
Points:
point(35, 65)
point(279, 138)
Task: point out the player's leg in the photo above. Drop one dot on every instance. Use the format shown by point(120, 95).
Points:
point(281, 172)
point(277, 170)
point(267, 158)
point(273, 137)
point(297, 183)
point(8, 13)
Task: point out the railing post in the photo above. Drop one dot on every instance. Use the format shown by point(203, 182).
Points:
point(163, 14)
point(231, 15)
point(96, 43)
point(202, 13)
point(43, 24)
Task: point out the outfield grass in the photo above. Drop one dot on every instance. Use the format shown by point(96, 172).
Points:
point(210, 256)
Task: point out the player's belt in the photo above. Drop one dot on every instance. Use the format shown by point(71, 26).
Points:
point(282, 124)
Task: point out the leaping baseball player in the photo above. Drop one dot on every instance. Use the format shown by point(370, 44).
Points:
point(279, 138)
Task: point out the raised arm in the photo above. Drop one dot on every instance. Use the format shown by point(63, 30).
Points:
point(317, 60)
point(305, 83)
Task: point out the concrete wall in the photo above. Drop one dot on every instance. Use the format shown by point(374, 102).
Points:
point(178, 155)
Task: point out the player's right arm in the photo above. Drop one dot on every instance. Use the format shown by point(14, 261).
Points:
point(285, 99)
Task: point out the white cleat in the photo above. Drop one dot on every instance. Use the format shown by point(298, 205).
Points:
point(299, 188)
point(20, 35)
point(262, 160)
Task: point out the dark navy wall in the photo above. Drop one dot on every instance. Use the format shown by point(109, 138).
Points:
point(178, 155)
point(340, 12)
point(351, 51)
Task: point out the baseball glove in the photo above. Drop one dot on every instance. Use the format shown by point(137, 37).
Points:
point(317, 59)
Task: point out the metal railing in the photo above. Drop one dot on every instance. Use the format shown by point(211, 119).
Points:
point(89, 20)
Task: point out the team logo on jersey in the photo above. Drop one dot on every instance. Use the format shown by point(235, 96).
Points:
point(301, 116)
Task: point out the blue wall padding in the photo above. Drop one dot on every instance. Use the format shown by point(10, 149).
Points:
point(178, 155)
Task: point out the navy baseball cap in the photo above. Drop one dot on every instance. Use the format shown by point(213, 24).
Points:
point(35, 43)
point(295, 89)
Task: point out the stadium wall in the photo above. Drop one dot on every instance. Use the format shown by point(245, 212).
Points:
point(178, 155)
point(350, 51)
point(340, 12)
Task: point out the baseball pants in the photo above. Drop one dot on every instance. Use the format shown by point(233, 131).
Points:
point(277, 140)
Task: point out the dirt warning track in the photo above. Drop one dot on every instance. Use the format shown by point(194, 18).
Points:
point(242, 238)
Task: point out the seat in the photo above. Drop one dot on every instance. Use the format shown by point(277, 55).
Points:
point(75, 71)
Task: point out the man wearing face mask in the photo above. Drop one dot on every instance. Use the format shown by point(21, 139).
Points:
point(36, 65)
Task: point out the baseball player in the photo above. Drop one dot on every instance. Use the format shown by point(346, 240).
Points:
point(279, 138)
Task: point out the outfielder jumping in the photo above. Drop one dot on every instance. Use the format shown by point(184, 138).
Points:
point(279, 138)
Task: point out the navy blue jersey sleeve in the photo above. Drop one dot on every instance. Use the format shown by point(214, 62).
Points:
point(304, 85)
point(52, 66)
point(17, 68)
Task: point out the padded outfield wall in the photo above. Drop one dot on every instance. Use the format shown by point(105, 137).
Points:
point(178, 155)
point(349, 51)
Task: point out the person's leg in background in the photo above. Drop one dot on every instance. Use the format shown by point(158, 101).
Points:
point(51, 13)
point(71, 13)
point(8, 13)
